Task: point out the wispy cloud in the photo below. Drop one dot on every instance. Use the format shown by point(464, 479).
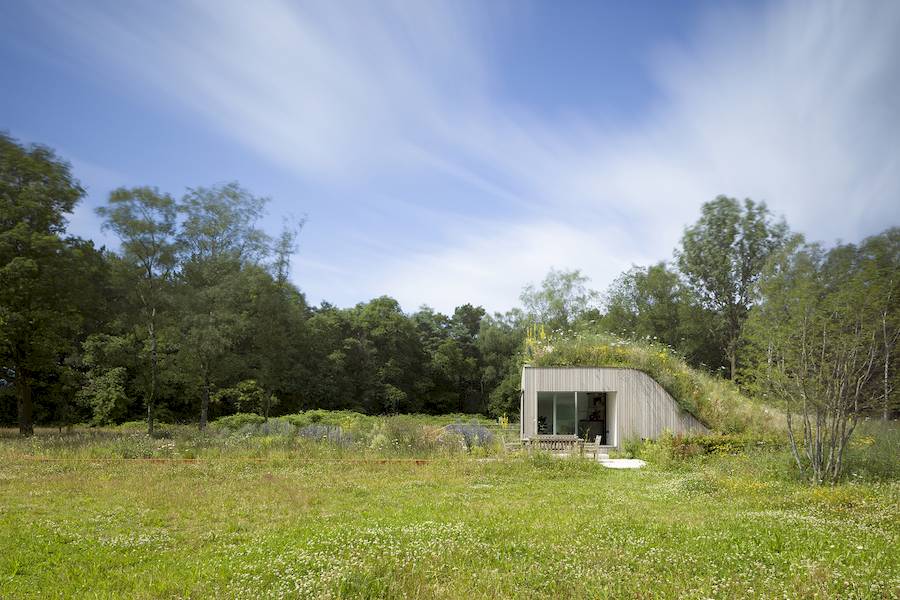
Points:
point(794, 103)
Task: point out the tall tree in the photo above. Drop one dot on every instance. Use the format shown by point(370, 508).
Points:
point(275, 323)
point(38, 266)
point(145, 221)
point(880, 264)
point(499, 342)
point(722, 257)
point(562, 297)
point(218, 238)
point(653, 302)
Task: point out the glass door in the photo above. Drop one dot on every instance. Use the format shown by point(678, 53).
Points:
point(566, 418)
point(556, 414)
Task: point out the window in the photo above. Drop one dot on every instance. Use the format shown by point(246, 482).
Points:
point(556, 413)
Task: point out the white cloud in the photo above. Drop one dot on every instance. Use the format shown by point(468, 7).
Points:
point(794, 104)
point(492, 262)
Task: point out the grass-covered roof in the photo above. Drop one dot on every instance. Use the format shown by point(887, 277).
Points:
point(715, 401)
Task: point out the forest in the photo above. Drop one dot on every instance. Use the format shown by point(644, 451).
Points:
point(194, 315)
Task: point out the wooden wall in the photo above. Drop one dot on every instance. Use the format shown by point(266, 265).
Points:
point(642, 407)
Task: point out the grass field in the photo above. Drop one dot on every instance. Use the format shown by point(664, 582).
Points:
point(260, 519)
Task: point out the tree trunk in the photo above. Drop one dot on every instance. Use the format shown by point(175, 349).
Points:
point(154, 366)
point(268, 406)
point(23, 400)
point(887, 363)
point(733, 359)
point(204, 403)
point(794, 452)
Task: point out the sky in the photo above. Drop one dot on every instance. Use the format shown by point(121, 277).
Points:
point(452, 152)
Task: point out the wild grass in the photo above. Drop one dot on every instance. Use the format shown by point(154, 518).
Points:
point(322, 434)
point(264, 516)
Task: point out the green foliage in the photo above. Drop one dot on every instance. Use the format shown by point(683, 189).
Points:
point(49, 283)
point(562, 299)
point(395, 435)
point(246, 396)
point(822, 350)
point(653, 303)
point(105, 395)
point(238, 420)
point(500, 345)
point(722, 257)
point(715, 402)
point(144, 220)
point(672, 450)
point(872, 454)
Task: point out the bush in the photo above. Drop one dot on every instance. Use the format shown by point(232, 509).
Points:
point(326, 433)
point(402, 434)
point(631, 447)
point(276, 427)
point(346, 419)
point(670, 449)
point(731, 443)
point(873, 451)
point(238, 420)
point(472, 435)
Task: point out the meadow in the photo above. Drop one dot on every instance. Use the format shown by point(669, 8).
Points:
point(259, 511)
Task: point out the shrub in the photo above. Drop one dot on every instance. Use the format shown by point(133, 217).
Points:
point(238, 420)
point(631, 447)
point(347, 419)
point(873, 452)
point(276, 427)
point(326, 433)
point(669, 448)
point(105, 395)
point(733, 443)
point(660, 452)
point(400, 434)
point(471, 435)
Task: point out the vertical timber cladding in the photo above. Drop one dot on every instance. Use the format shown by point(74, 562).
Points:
point(643, 408)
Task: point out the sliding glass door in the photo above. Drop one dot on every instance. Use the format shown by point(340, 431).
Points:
point(557, 414)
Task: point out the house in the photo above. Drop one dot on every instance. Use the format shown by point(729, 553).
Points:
point(572, 403)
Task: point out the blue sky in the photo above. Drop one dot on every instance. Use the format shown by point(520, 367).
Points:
point(450, 152)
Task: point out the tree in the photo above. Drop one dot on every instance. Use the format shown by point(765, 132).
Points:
point(396, 358)
point(219, 238)
point(646, 302)
point(284, 248)
point(816, 335)
point(722, 256)
point(145, 221)
point(40, 270)
point(247, 396)
point(499, 342)
point(562, 297)
point(276, 322)
point(881, 269)
point(653, 302)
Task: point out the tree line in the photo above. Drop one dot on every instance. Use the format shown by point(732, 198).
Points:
point(194, 316)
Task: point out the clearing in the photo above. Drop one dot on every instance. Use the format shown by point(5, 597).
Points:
point(267, 525)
